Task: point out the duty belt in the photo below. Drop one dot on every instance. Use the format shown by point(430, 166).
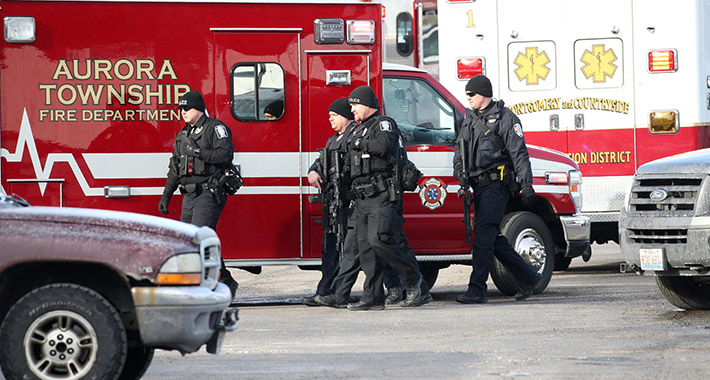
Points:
point(485, 179)
point(369, 187)
point(193, 189)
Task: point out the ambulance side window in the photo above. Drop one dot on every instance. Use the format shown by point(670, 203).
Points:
point(257, 91)
point(422, 114)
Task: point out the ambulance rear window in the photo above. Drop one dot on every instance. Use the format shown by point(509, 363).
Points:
point(257, 91)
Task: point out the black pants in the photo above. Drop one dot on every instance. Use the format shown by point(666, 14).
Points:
point(329, 263)
point(376, 226)
point(489, 204)
point(201, 209)
point(349, 265)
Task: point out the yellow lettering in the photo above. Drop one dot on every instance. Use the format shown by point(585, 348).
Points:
point(62, 69)
point(167, 69)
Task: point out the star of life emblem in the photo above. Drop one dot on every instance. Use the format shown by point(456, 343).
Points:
point(432, 193)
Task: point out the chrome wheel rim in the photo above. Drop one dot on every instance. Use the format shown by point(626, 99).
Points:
point(60, 345)
point(530, 247)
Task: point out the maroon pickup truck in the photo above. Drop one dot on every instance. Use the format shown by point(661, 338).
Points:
point(90, 294)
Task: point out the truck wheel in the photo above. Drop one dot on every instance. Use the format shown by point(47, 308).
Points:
point(137, 362)
point(430, 272)
point(689, 293)
point(562, 262)
point(530, 237)
point(62, 331)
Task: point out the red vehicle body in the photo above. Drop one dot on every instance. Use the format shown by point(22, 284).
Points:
point(88, 113)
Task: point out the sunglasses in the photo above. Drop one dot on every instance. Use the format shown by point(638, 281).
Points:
point(185, 108)
point(471, 94)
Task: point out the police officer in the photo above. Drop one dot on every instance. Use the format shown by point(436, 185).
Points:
point(341, 120)
point(492, 171)
point(203, 149)
point(370, 165)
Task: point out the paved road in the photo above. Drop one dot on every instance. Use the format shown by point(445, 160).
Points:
point(591, 323)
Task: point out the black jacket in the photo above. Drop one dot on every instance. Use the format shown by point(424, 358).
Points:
point(484, 154)
point(216, 152)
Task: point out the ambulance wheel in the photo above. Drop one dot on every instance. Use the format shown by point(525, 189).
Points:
point(62, 331)
point(137, 362)
point(689, 293)
point(531, 238)
point(562, 262)
point(430, 272)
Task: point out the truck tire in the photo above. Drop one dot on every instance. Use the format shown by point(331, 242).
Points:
point(430, 272)
point(137, 362)
point(562, 262)
point(689, 293)
point(62, 331)
point(531, 238)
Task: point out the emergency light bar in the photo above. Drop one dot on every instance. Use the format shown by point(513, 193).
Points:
point(470, 67)
point(361, 32)
point(19, 30)
point(663, 61)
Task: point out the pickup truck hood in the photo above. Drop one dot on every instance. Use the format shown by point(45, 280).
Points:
point(695, 162)
point(105, 218)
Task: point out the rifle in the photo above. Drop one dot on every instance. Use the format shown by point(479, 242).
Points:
point(465, 192)
point(334, 219)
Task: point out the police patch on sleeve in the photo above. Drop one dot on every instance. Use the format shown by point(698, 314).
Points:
point(385, 126)
point(518, 129)
point(221, 131)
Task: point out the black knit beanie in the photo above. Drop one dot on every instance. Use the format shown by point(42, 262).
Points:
point(480, 85)
point(342, 108)
point(192, 99)
point(364, 95)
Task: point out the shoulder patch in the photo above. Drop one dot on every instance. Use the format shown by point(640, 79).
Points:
point(221, 131)
point(385, 126)
point(518, 129)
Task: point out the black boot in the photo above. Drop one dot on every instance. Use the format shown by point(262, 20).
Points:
point(394, 294)
point(414, 295)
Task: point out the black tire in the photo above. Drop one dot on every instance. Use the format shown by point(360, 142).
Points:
point(562, 262)
point(137, 362)
point(62, 331)
point(689, 293)
point(430, 272)
point(531, 238)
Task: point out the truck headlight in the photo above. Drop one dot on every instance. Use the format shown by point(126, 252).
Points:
point(573, 179)
point(182, 269)
point(575, 188)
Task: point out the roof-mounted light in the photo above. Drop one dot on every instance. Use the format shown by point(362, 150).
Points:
point(19, 30)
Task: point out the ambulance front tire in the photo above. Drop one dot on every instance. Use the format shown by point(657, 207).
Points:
point(430, 272)
point(530, 237)
point(562, 262)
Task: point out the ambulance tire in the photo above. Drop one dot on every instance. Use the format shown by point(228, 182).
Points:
point(531, 238)
point(562, 262)
point(430, 272)
point(137, 362)
point(685, 292)
point(49, 322)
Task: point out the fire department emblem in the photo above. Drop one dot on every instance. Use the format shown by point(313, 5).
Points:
point(432, 193)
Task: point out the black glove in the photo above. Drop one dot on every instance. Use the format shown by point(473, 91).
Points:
point(458, 172)
point(528, 195)
point(163, 205)
point(191, 149)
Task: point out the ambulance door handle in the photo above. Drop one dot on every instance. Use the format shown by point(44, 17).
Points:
point(579, 121)
point(555, 122)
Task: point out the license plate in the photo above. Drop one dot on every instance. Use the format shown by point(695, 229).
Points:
point(652, 259)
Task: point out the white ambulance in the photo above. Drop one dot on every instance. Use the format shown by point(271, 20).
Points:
point(612, 83)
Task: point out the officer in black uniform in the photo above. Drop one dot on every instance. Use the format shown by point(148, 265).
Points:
point(341, 120)
point(203, 150)
point(492, 171)
point(370, 166)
